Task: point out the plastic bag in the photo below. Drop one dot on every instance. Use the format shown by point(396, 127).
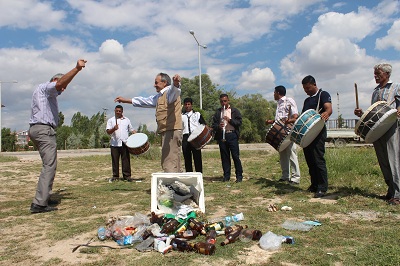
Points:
point(270, 241)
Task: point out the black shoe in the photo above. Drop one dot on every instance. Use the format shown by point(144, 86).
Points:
point(311, 189)
point(319, 194)
point(53, 202)
point(129, 179)
point(225, 180)
point(283, 180)
point(38, 209)
point(238, 180)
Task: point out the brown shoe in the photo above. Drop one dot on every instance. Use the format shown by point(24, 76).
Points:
point(394, 201)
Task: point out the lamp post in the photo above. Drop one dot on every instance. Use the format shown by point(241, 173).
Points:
point(204, 47)
point(1, 82)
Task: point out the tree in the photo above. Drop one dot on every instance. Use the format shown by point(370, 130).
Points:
point(8, 139)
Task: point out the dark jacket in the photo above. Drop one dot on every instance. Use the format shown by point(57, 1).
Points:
point(236, 122)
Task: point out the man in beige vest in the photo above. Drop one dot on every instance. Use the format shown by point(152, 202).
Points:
point(167, 102)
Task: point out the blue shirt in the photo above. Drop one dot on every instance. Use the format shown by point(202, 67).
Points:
point(44, 107)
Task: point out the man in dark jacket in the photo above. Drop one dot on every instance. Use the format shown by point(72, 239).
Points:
point(226, 123)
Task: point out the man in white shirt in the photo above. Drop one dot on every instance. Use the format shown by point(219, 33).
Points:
point(119, 127)
point(287, 113)
point(191, 120)
point(167, 102)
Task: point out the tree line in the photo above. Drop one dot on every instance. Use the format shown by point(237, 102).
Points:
point(85, 132)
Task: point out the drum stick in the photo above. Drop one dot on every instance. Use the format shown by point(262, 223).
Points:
point(355, 88)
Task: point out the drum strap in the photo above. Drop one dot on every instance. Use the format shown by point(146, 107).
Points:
point(319, 99)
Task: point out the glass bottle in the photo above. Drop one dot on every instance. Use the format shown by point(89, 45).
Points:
point(247, 235)
point(232, 228)
point(231, 238)
point(203, 248)
point(211, 236)
point(196, 225)
point(188, 234)
point(182, 227)
point(214, 226)
point(169, 226)
point(181, 245)
point(157, 219)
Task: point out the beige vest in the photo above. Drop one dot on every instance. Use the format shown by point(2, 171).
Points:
point(168, 116)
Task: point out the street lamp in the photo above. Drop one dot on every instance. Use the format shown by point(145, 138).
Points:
point(204, 47)
point(1, 82)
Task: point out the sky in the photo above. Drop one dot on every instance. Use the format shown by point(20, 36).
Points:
point(252, 46)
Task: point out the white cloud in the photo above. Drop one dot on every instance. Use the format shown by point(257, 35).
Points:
point(257, 79)
point(392, 39)
point(30, 14)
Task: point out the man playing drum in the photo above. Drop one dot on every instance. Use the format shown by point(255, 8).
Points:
point(286, 113)
point(320, 101)
point(387, 147)
point(167, 102)
point(119, 127)
point(191, 120)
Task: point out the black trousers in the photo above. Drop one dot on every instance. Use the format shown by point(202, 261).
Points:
point(314, 155)
point(116, 153)
point(189, 151)
point(227, 148)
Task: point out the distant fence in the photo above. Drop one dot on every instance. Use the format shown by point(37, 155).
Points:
point(343, 123)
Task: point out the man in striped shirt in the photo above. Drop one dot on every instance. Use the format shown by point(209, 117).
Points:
point(43, 122)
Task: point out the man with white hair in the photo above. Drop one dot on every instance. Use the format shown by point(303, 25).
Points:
point(387, 148)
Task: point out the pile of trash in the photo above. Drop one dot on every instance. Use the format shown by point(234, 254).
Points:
point(167, 232)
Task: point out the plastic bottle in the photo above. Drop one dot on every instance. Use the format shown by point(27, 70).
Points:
point(228, 220)
point(232, 228)
point(188, 234)
point(214, 226)
point(231, 238)
point(270, 241)
point(101, 233)
point(169, 226)
point(247, 235)
point(211, 237)
point(203, 248)
point(180, 245)
point(196, 225)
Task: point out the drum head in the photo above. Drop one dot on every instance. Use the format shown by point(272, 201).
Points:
point(196, 132)
point(382, 126)
point(312, 133)
point(136, 140)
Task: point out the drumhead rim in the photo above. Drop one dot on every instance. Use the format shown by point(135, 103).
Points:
point(387, 115)
point(137, 135)
point(367, 112)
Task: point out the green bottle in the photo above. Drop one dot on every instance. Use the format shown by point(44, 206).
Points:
point(214, 226)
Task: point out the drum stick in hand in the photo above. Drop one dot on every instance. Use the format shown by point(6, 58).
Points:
point(355, 88)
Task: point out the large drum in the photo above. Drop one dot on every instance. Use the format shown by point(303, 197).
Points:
point(200, 136)
point(376, 121)
point(138, 143)
point(306, 128)
point(278, 135)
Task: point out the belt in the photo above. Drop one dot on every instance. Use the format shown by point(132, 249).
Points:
point(42, 124)
point(229, 131)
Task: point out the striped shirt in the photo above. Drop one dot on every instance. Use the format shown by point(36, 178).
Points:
point(44, 107)
point(282, 110)
point(388, 93)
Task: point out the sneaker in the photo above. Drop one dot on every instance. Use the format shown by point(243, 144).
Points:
point(295, 180)
point(319, 194)
point(38, 209)
point(394, 201)
point(113, 179)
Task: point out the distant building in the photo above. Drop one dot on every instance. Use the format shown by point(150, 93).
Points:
point(22, 138)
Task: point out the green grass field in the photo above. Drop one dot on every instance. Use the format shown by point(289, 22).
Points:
point(357, 227)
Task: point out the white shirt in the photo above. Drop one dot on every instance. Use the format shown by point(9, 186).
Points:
point(194, 121)
point(282, 110)
point(150, 102)
point(122, 133)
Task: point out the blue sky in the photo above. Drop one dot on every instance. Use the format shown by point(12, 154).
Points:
point(252, 46)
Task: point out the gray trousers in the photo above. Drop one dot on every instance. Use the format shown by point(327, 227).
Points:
point(44, 137)
point(388, 153)
point(289, 163)
point(171, 151)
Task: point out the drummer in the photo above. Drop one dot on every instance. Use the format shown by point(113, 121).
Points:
point(320, 101)
point(119, 127)
point(190, 121)
point(387, 147)
point(286, 112)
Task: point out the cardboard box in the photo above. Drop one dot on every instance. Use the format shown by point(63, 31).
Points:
point(194, 180)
